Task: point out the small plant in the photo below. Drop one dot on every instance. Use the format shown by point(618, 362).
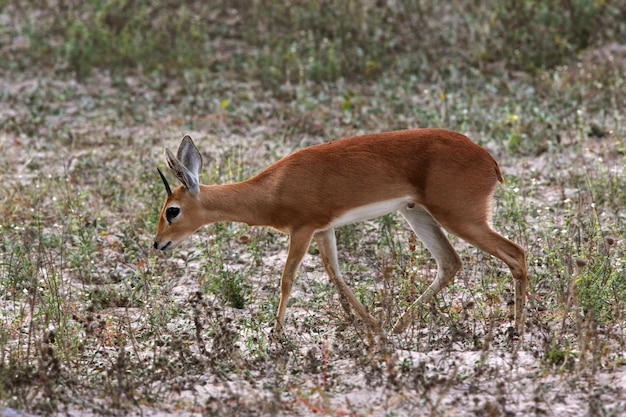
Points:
point(600, 283)
point(229, 285)
point(231, 288)
point(560, 355)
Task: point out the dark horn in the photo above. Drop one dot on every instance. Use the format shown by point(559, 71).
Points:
point(167, 186)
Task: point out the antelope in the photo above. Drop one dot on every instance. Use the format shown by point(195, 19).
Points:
point(435, 178)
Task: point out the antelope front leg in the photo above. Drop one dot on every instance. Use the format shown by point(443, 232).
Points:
point(327, 245)
point(298, 244)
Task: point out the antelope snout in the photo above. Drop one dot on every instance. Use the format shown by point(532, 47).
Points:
point(163, 246)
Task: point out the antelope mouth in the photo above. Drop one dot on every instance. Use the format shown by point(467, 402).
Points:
point(165, 247)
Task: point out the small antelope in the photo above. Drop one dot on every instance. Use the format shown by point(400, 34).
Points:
point(435, 178)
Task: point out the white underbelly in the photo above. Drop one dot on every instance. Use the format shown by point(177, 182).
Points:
point(369, 211)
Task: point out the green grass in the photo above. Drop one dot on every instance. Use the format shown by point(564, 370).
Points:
point(296, 42)
point(91, 318)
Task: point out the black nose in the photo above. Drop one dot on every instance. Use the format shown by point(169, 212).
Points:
point(156, 245)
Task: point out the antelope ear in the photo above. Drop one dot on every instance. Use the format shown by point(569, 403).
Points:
point(189, 156)
point(186, 165)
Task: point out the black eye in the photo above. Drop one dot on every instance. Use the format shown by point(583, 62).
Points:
point(171, 213)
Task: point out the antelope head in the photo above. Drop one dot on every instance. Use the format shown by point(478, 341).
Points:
point(179, 216)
